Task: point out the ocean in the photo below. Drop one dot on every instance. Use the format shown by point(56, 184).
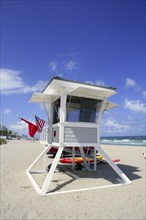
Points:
point(124, 140)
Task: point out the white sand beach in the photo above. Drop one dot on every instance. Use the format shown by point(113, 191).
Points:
point(19, 200)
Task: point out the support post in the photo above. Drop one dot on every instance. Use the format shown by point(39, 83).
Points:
point(73, 155)
point(29, 172)
point(39, 157)
point(95, 159)
point(99, 120)
point(51, 171)
point(84, 158)
point(114, 166)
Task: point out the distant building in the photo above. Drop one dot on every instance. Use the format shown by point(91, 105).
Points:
point(3, 137)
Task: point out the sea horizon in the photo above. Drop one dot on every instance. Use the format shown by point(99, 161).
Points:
point(126, 140)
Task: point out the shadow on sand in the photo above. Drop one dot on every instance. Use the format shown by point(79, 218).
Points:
point(104, 171)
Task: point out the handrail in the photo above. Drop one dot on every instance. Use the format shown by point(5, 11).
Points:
point(44, 134)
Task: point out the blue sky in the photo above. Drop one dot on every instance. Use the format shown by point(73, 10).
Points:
point(98, 41)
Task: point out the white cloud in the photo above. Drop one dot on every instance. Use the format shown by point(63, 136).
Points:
point(7, 111)
point(20, 126)
point(127, 125)
point(70, 65)
point(135, 105)
point(100, 83)
point(39, 86)
point(130, 83)
point(12, 83)
point(62, 66)
point(111, 125)
point(10, 79)
point(89, 82)
point(53, 65)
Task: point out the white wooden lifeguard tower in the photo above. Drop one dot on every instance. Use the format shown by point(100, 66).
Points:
point(74, 117)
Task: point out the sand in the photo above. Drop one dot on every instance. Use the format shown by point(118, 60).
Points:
point(19, 200)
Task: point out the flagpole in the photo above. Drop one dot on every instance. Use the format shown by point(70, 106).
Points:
point(44, 145)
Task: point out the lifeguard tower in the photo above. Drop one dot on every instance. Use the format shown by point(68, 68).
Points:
point(74, 117)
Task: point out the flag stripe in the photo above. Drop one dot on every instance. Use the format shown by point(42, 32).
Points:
point(40, 123)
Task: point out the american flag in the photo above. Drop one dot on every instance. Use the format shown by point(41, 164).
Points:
point(40, 123)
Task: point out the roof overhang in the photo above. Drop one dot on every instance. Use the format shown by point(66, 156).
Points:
point(40, 98)
point(110, 105)
point(58, 86)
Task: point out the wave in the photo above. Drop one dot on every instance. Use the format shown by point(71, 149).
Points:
point(125, 140)
point(106, 140)
point(129, 140)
